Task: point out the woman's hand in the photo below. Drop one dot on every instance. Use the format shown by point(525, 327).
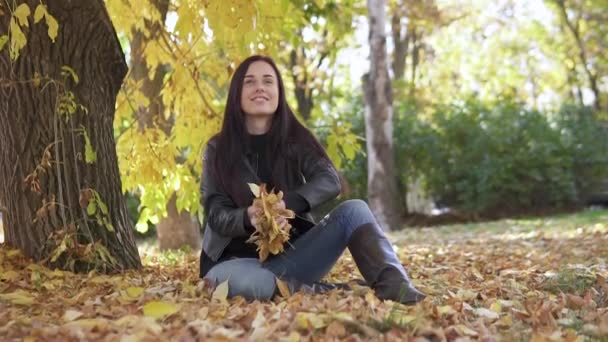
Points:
point(281, 221)
point(253, 212)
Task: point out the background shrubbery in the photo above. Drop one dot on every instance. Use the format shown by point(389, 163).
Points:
point(495, 158)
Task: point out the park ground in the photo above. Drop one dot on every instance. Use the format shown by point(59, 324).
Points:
point(537, 279)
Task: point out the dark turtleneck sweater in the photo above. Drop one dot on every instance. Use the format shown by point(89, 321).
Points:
point(260, 162)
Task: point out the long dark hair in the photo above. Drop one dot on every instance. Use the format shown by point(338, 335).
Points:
point(284, 130)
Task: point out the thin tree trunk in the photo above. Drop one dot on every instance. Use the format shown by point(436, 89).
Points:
point(45, 181)
point(150, 87)
point(401, 41)
point(582, 54)
point(412, 195)
point(415, 59)
point(301, 89)
point(382, 181)
point(178, 228)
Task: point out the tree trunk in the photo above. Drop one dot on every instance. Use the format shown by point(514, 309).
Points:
point(401, 42)
point(412, 195)
point(152, 115)
point(582, 54)
point(301, 89)
point(177, 229)
point(415, 59)
point(47, 179)
point(381, 181)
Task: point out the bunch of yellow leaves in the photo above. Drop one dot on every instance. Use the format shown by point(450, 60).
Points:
point(268, 236)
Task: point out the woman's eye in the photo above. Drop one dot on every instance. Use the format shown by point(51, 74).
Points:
point(268, 82)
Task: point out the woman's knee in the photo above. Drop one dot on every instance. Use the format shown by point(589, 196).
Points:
point(246, 278)
point(357, 210)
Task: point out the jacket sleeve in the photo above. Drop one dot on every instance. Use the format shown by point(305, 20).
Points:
point(222, 215)
point(322, 182)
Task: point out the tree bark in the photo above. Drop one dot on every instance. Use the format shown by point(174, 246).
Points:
point(45, 181)
point(178, 229)
point(382, 181)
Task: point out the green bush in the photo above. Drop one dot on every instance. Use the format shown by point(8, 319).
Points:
point(482, 158)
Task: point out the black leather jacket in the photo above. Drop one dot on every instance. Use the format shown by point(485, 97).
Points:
point(317, 182)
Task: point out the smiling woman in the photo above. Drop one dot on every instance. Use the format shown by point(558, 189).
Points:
point(260, 97)
point(261, 141)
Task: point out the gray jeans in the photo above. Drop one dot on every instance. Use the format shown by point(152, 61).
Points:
point(308, 260)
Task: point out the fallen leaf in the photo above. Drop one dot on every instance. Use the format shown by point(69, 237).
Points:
point(496, 307)
point(88, 323)
point(283, 288)
point(307, 320)
point(221, 292)
point(203, 312)
point(485, 313)
point(464, 294)
point(19, 297)
point(294, 336)
point(10, 275)
point(446, 310)
point(463, 330)
point(159, 309)
point(11, 253)
point(259, 327)
point(71, 315)
point(131, 294)
point(127, 321)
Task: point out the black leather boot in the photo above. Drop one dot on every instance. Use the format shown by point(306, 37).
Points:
point(380, 267)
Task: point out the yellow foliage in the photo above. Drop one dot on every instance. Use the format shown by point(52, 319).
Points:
point(199, 54)
point(268, 236)
point(154, 55)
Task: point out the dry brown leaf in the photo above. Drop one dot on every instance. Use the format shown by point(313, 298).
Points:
point(268, 236)
point(447, 265)
point(283, 288)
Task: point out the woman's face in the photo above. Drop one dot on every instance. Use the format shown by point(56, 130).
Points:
point(260, 94)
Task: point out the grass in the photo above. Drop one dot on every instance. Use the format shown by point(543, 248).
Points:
point(574, 280)
point(565, 225)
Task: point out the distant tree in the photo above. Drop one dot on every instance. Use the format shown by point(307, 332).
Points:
point(382, 181)
point(585, 23)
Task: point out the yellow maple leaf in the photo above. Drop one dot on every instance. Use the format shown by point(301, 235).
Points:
point(159, 309)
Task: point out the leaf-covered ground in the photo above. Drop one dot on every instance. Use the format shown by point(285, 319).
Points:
point(538, 279)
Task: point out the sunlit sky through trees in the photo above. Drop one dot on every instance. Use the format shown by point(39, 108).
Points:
point(459, 46)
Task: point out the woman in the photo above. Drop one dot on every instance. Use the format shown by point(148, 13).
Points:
point(261, 141)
